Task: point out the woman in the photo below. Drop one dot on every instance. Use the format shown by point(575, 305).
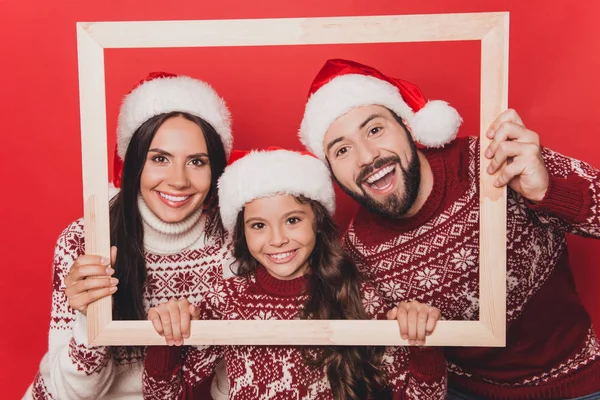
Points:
point(291, 266)
point(173, 137)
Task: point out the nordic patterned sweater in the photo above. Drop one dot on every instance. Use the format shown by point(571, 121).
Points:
point(180, 262)
point(279, 372)
point(552, 351)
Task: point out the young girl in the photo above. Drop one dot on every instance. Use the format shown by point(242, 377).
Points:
point(173, 138)
point(278, 204)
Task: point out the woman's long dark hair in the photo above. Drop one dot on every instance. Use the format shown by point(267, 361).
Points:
point(126, 229)
point(333, 290)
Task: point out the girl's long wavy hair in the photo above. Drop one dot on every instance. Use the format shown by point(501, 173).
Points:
point(333, 289)
point(126, 229)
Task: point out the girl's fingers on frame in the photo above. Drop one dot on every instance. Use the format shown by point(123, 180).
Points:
point(165, 320)
point(412, 324)
point(402, 317)
point(434, 316)
point(184, 314)
point(422, 323)
point(156, 322)
point(175, 323)
point(393, 313)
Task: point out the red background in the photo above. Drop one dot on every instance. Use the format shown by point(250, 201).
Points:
point(554, 84)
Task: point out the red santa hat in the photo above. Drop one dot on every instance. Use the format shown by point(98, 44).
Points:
point(161, 93)
point(342, 85)
point(263, 173)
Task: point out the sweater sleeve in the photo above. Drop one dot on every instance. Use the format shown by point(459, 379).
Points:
point(71, 369)
point(162, 372)
point(414, 373)
point(572, 201)
point(428, 375)
point(172, 372)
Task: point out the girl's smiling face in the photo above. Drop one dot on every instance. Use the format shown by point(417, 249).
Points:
point(280, 234)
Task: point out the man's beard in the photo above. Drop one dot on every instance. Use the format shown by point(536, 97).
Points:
point(396, 204)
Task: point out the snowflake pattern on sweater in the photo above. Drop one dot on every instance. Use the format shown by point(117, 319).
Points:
point(433, 257)
point(73, 370)
point(280, 372)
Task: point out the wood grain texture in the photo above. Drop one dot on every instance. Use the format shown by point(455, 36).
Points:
point(293, 31)
point(489, 28)
point(94, 165)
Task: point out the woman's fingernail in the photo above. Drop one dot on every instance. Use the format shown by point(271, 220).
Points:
point(114, 281)
point(104, 261)
point(110, 271)
point(112, 289)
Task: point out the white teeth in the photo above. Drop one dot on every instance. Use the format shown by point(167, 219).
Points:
point(173, 198)
point(281, 256)
point(380, 174)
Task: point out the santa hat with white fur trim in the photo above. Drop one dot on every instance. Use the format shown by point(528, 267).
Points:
point(161, 93)
point(342, 85)
point(264, 173)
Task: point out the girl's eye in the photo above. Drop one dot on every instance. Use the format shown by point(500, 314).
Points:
point(197, 162)
point(258, 225)
point(341, 151)
point(375, 130)
point(293, 220)
point(159, 159)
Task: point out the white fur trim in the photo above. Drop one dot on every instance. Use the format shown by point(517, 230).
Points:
point(435, 124)
point(341, 95)
point(266, 173)
point(163, 95)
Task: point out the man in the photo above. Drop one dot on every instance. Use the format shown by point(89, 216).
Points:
point(416, 235)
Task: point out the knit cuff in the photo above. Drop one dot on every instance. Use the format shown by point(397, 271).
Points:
point(427, 362)
point(163, 362)
point(569, 199)
point(80, 332)
point(89, 359)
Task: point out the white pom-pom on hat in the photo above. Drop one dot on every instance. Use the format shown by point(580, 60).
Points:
point(435, 124)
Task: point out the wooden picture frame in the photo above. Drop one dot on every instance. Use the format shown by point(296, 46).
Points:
point(491, 29)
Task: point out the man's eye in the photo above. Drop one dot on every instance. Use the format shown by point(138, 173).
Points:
point(341, 151)
point(375, 130)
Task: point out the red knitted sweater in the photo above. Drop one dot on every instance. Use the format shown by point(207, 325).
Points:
point(552, 351)
point(278, 372)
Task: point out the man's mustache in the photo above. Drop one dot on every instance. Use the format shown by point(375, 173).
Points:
point(380, 162)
